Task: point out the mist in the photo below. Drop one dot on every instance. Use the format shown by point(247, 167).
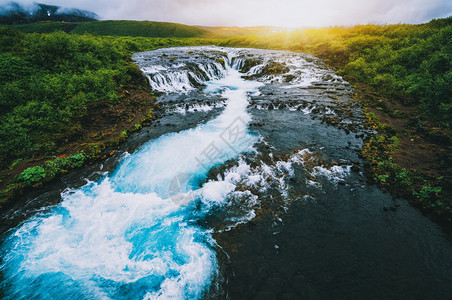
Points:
point(289, 13)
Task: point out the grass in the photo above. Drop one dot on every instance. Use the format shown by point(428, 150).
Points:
point(117, 28)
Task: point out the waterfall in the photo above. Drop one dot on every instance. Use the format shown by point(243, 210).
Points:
point(134, 231)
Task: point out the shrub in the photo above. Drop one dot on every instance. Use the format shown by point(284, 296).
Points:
point(427, 192)
point(32, 175)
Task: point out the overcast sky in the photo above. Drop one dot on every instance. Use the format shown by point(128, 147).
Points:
point(289, 13)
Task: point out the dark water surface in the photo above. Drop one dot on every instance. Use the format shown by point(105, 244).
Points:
point(244, 188)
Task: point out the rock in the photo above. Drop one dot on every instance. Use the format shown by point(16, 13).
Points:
point(355, 168)
point(288, 78)
point(391, 208)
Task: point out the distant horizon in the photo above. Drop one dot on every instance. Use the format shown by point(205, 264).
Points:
point(292, 14)
point(276, 26)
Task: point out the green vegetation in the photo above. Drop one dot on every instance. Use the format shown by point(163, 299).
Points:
point(139, 28)
point(32, 175)
point(35, 175)
point(117, 28)
point(411, 63)
point(378, 151)
point(408, 64)
point(51, 82)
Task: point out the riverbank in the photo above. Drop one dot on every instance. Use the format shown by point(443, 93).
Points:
point(400, 76)
point(104, 128)
point(65, 99)
point(291, 215)
point(408, 155)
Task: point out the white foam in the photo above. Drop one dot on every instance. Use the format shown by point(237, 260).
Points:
point(193, 150)
point(308, 110)
point(215, 191)
point(199, 107)
point(334, 174)
point(130, 226)
point(153, 69)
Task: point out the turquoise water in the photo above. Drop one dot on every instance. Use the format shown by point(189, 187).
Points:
point(133, 233)
point(258, 200)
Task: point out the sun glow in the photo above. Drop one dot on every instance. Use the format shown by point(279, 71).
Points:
point(283, 13)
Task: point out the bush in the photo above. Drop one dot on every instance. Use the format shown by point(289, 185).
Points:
point(32, 175)
point(427, 192)
point(412, 63)
point(48, 81)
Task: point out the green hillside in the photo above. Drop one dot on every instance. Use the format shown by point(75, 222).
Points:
point(65, 97)
point(117, 28)
point(410, 63)
point(228, 32)
point(402, 76)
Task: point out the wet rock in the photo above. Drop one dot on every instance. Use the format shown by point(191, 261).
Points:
point(355, 168)
point(288, 78)
point(327, 77)
point(390, 208)
point(330, 120)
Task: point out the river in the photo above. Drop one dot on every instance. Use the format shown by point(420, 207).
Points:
point(247, 186)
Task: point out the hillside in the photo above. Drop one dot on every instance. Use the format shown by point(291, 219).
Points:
point(402, 76)
point(62, 93)
point(117, 28)
point(228, 32)
point(14, 13)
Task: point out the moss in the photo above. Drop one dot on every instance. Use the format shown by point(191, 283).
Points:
point(422, 189)
point(275, 68)
point(248, 64)
point(221, 61)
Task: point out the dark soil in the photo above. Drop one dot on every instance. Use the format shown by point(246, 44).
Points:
point(423, 146)
point(104, 121)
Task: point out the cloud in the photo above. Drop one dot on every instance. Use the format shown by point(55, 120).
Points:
point(292, 13)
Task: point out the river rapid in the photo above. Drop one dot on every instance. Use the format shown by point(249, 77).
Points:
point(248, 185)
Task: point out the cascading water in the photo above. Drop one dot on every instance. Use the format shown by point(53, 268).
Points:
point(130, 233)
point(246, 186)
